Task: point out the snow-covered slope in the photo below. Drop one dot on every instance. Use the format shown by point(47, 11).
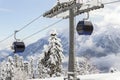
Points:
point(105, 76)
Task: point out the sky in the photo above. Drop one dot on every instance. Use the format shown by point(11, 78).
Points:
point(14, 14)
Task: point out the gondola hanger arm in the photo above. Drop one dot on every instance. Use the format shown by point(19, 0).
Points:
point(86, 17)
point(15, 35)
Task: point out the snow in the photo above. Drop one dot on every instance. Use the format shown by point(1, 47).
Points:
point(56, 78)
point(104, 76)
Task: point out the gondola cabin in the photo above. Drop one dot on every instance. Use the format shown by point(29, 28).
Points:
point(84, 28)
point(18, 47)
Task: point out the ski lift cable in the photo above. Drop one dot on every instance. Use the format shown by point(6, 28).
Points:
point(111, 2)
point(42, 29)
point(35, 34)
point(30, 22)
point(41, 16)
point(6, 38)
point(60, 20)
point(22, 28)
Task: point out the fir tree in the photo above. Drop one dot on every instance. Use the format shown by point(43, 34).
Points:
point(19, 71)
point(53, 54)
point(21, 62)
point(84, 66)
point(26, 67)
point(31, 68)
point(9, 69)
point(42, 71)
point(16, 60)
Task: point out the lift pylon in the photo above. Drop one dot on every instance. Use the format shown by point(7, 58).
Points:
point(74, 9)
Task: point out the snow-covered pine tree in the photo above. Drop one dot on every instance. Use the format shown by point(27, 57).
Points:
point(3, 71)
point(42, 71)
point(16, 60)
point(9, 69)
point(39, 68)
point(26, 67)
point(19, 72)
point(84, 66)
point(31, 68)
point(21, 63)
point(13, 69)
point(53, 55)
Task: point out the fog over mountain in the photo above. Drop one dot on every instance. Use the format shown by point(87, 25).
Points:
point(103, 46)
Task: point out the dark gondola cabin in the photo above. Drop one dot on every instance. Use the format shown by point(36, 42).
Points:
point(18, 47)
point(84, 28)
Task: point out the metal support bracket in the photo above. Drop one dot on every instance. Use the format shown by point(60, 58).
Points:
point(15, 35)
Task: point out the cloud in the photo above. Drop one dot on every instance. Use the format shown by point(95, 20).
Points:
point(108, 15)
point(107, 61)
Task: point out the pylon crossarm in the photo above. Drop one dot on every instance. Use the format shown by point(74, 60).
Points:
point(60, 8)
point(85, 8)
